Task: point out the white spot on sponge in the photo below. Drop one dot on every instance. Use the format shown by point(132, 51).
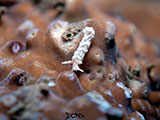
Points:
point(26, 25)
point(127, 91)
point(110, 31)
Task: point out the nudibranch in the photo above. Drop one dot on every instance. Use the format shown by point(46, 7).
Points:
point(82, 49)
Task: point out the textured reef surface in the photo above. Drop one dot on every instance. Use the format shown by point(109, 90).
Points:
point(67, 60)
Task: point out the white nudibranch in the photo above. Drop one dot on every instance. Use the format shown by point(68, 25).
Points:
point(82, 49)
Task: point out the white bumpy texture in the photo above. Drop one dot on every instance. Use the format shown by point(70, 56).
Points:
point(82, 49)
